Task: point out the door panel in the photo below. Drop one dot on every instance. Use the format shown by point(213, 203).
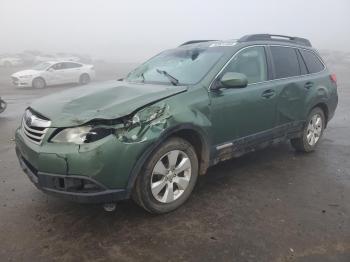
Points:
point(242, 112)
point(57, 76)
point(291, 99)
point(72, 72)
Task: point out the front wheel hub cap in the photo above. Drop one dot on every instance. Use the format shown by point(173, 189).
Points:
point(171, 176)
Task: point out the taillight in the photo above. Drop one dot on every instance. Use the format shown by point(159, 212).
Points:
point(333, 78)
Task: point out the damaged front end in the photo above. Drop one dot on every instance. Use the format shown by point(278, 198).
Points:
point(129, 129)
point(92, 162)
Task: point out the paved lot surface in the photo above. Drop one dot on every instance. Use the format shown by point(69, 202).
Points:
point(271, 205)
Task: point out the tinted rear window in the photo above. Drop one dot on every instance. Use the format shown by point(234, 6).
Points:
point(286, 61)
point(313, 63)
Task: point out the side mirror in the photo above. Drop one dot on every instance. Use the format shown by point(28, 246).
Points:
point(50, 69)
point(233, 80)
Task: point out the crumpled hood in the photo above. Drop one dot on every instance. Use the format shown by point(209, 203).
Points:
point(108, 100)
point(26, 73)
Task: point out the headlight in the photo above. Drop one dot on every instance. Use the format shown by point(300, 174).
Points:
point(26, 76)
point(81, 135)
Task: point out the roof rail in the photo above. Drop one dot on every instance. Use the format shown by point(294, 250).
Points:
point(268, 37)
point(196, 41)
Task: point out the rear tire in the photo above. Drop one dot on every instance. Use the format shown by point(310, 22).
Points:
point(39, 83)
point(84, 79)
point(168, 177)
point(312, 132)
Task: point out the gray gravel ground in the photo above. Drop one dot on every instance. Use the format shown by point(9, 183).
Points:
point(271, 205)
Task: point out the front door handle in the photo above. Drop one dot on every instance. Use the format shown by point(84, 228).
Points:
point(308, 85)
point(268, 93)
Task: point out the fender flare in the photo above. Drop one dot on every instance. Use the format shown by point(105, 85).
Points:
point(164, 136)
point(321, 103)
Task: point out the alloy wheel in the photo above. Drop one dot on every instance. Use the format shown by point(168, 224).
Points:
point(314, 129)
point(171, 176)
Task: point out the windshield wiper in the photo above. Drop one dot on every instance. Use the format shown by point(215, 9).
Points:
point(172, 79)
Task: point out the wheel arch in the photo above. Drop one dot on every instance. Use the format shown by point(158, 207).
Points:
point(82, 74)
point(189, 132)
point(323, 106)
point(39, 77)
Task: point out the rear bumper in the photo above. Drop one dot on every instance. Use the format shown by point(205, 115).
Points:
point(60, 186)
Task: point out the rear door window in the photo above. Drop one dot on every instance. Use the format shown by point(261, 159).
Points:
point(312, 62)
point(58, 66)
point(69, 65)
point(285, 61)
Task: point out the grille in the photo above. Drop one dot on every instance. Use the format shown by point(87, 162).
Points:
point(34, 127)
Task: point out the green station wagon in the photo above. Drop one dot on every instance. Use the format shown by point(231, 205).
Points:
point(150, 135)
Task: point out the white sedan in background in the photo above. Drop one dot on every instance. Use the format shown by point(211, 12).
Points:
point(54, 73)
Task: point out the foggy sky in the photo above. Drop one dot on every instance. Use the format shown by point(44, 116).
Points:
point(132, 30)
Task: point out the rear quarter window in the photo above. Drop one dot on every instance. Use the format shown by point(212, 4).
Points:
point(285, 61)
point(313, 63)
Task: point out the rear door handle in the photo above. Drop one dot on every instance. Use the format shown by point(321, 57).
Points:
point(308, 85)
point(268, 93)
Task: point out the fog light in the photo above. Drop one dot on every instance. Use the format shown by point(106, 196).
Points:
point(89, 186)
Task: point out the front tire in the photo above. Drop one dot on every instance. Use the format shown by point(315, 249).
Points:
point(168, 177)
point(84, 79)
point(312, 132)
point(38, 83)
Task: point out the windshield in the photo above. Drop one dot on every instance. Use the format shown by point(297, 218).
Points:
point(41, 66)
point(182, 66)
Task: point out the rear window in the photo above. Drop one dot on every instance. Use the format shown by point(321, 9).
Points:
point(312, 62)
point(286, 61)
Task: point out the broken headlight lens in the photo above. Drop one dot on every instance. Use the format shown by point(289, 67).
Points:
point(81, 135)
point(148, 114)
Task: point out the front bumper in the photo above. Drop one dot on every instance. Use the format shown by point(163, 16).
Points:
point(107, 164)
point(60, 185)
point(21, 82)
